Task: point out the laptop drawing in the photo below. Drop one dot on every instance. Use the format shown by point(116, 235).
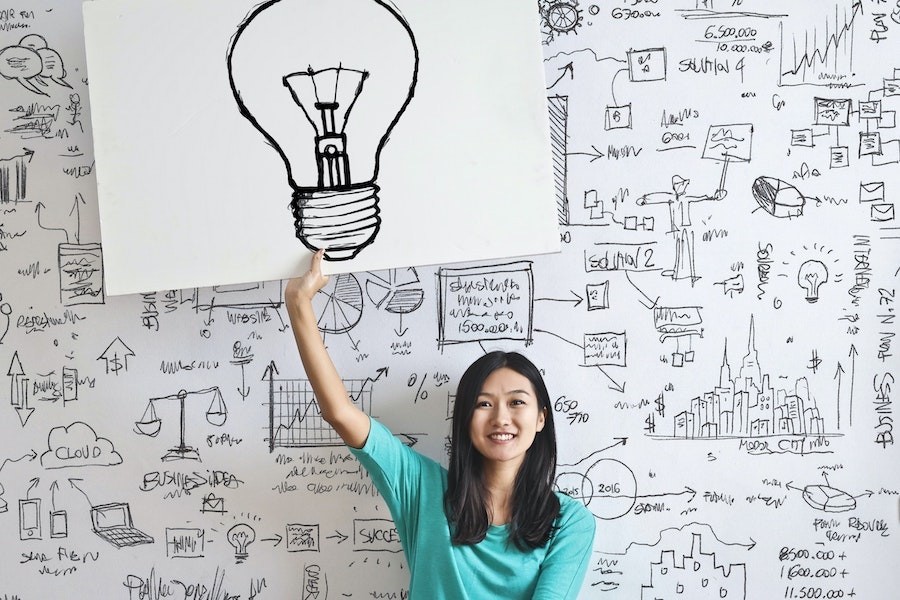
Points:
point(112, 522)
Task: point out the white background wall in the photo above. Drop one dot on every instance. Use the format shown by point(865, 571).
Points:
point(759, 514)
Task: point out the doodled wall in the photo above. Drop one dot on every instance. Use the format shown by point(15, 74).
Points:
point(719, 333)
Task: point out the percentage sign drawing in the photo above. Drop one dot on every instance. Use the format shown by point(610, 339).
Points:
point(421, 394)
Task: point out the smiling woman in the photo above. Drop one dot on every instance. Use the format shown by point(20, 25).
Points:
point(489, 526)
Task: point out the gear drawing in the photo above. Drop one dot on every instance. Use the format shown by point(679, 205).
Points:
point(559, 17)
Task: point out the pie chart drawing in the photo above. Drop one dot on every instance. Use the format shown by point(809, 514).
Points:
point(399, 291)
point(339, 304)
point(828, 499)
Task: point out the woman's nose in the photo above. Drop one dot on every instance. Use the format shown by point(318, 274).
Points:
point(501, 415)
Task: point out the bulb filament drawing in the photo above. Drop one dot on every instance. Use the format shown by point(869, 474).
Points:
point(325, 82)
point(811, 275)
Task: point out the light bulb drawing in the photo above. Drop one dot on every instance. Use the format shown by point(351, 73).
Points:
point(150, 424)
point(811, 275)
point(325, 82)
point(240, 536)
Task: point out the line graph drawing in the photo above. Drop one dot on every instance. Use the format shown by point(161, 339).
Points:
point(823, 54)
point(295, 420)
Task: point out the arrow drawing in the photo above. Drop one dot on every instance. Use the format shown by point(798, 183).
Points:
point(18, 393)
point(620, 441)
point(37, 210)
point(567, 69)
point(595, 155)
point(30, 456)
point(116, 356)
point(853, 354)
point(83, 493)
point(242, 357)
point(34, 482)
point(340, 537)
point(686, 490)
point(76, 210)
point(577, 299)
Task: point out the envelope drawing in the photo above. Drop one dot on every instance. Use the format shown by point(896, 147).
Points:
point(212, 503)
point(881, 213)
point(871, 192)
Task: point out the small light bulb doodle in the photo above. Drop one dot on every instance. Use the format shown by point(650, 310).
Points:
point(240, 536)
point(810, 277)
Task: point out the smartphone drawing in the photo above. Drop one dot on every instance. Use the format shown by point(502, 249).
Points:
point(59, 524)
point(30, 519)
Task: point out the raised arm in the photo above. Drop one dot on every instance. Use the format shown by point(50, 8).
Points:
point(348, 420)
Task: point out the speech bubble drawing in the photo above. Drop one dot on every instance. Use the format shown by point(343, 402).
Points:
point(52, 66)
point(33, 41)
point(18, 62)
point(30, 62)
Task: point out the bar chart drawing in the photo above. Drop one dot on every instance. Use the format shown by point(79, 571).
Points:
point(822, 54)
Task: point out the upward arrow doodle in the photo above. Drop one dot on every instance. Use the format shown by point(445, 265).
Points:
point(362, 387)
point(37, 209)
point(567, 69)
point(853, 354)
point(76, 210)
point(18, 393)
point(116, 356)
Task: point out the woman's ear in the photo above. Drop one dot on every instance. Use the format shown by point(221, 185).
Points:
point(542, 418)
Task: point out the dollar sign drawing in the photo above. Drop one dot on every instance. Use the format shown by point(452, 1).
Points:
point(815, 362)
point(660, 406)
point(116, 364)
point(651, 424)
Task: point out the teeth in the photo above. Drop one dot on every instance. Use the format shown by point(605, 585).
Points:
point(502, 436)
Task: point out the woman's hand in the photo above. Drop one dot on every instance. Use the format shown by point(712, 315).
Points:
point(303, 288)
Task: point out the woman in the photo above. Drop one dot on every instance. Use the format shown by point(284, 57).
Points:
point(489, 527)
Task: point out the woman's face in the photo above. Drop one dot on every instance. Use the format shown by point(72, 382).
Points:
point(506, 418)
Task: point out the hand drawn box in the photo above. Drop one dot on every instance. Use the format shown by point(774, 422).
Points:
point(301, 538)
point(604, 349)
point(81, 274)
point(486, 303)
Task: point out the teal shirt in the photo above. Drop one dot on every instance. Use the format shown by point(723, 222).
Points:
point(413, 487)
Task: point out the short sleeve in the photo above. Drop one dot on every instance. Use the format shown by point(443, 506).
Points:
point(565, 565)
point(395, 470)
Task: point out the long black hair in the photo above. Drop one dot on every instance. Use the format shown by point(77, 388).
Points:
point(535, 506)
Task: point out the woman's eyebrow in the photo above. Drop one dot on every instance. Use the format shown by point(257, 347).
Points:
point(491, 395)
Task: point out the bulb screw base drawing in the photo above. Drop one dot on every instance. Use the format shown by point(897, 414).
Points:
point(342, 221)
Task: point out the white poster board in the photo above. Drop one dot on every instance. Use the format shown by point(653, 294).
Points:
point(205, 135)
